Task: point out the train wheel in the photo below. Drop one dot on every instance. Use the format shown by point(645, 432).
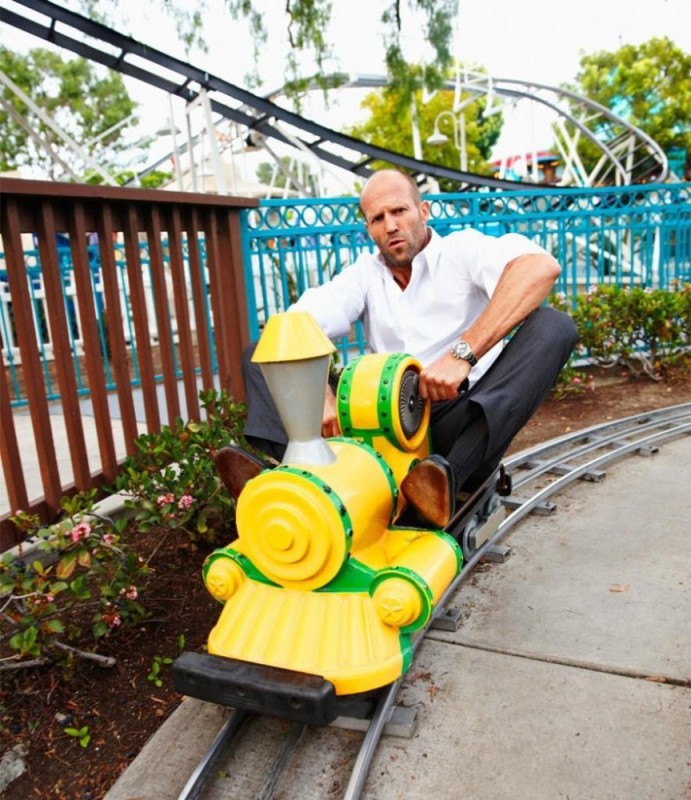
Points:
point(378, 396)
point(469, 537)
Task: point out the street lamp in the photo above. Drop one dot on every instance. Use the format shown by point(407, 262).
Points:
point(438, 138)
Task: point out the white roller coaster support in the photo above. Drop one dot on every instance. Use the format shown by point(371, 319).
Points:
point(213, 144)
point(41, 143)
point(587, 117)
point(71, 143)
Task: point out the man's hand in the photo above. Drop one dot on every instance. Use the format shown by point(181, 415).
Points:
point(442, 379)
point(330, 426)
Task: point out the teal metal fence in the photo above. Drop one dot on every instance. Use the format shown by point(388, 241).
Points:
point(628, 235)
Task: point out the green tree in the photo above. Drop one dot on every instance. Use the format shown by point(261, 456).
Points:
point(648, 85)
point(390, 126)
point(83, 100)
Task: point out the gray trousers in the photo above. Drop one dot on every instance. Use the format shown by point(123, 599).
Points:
point(474, 430)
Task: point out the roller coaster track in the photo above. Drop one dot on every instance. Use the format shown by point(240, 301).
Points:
point(626, 152)
point(103, 45)
point(578, 456)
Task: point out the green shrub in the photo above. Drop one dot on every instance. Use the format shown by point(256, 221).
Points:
point(81, 573)
point(647, 331)
point(172, 481)
point(85, 570)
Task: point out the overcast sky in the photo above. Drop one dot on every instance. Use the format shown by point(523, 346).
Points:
point(526, 39)
point(543, 39)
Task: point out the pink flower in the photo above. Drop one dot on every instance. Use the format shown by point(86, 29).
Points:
point(165, 499)
point(80, 531)
point(108, 538)
point(576, 380)
point(111, 617)
point(185, 501)
point(130, 593)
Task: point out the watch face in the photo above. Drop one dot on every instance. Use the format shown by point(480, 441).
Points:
point(463, 350)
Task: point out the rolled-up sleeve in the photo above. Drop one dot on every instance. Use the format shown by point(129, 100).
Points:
point(484, 257)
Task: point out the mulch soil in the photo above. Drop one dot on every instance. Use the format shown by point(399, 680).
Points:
point(122, 707)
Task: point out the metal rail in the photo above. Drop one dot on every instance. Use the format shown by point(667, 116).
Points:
point(230, 730)
point(673, 421)
point(637, 433)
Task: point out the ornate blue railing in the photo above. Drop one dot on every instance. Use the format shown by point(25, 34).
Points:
point(627, 235)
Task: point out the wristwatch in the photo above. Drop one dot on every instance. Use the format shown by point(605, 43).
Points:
point(462, 350)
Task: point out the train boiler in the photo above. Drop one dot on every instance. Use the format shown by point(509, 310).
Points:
point(324, 587)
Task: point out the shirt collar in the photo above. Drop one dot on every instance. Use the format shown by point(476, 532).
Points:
point(431, 253)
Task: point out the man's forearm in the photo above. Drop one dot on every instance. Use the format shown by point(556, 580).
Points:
point(524, 284)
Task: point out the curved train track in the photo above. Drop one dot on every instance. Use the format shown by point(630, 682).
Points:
point(538, 473)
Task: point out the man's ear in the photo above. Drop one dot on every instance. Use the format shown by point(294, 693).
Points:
point(424, 210)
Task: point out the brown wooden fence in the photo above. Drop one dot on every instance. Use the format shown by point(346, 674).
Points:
point(202, 240)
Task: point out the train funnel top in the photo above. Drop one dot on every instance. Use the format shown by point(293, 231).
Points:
point(294, 355)
point(292, 336)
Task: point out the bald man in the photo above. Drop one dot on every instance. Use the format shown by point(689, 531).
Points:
point(450, 302)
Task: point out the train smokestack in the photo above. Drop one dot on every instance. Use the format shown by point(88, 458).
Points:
point(294, 353)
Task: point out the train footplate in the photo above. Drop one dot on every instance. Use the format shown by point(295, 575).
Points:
point(273, 691)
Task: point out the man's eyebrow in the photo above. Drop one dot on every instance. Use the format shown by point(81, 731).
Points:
point(402, 206)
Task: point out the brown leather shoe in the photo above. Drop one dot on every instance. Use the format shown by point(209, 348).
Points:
point(429, 488)
point(236, 466)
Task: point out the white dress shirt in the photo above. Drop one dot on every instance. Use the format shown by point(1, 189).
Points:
point(452, 280)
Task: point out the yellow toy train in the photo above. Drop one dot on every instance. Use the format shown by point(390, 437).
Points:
point(323, 588)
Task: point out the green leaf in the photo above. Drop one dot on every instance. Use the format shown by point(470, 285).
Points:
point(80, 588)
point(25, 641)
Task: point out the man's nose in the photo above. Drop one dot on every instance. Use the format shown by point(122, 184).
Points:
point(391, 222)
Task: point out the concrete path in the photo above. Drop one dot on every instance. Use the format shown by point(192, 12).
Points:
point(570, 676)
